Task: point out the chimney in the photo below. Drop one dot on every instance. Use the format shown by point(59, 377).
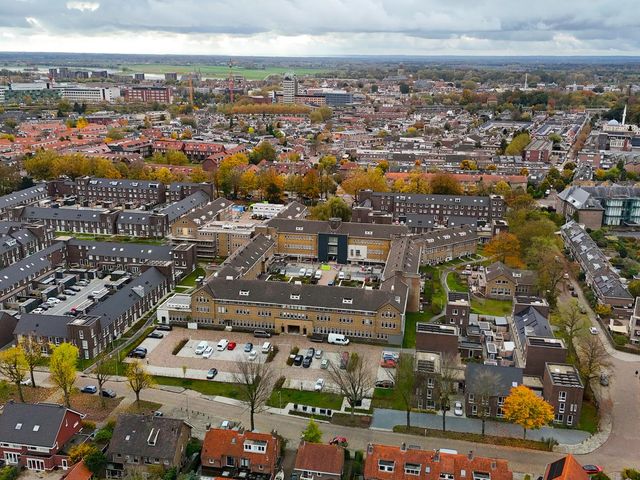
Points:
point(493, 464)
point(470, 455)
point(403, 447)
point(370, 449)
point(436, 456)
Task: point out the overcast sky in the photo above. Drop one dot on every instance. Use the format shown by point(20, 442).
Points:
point(323, 27)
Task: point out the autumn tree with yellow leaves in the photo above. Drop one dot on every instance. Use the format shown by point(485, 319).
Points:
point(505, 247)
point(523, 407)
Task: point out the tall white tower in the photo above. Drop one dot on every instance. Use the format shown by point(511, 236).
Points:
point(624, 115)
point(289, 88)
point(526, 82)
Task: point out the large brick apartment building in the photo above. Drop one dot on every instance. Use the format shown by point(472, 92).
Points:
point(121, 192)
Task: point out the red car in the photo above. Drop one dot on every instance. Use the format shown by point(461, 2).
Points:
point(592, 469)
point(388, 363)
point(231, 345)
point(342, 441)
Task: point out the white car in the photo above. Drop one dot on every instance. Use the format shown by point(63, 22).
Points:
point(457, 409)
point(37, 310)
point(319, 353)
point(208, 352)
point(593, 330)
point(53, 300)
point(319, 384)
point(222, 344)
point(253, 354)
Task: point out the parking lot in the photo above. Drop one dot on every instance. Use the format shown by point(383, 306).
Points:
point(161, 360)
point(78, 297)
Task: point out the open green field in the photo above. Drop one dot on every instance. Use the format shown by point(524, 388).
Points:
point(217, 71)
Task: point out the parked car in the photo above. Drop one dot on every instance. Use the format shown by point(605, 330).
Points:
point(158, 413)
point(253, 354)
point(388, 363)
point(310, 352)
point(89, 389)
point(306, 363)
point(37, 310)
point(341, 441)
point(53, 300)
point(457, 409)
point(211, 374)
point(604, 379)
point(302, 272)
point(201, 347)
point(324, 364)
point(593, 330)
point(223, 344)
point(208, 352)
point(384, 384)
point(26, 382)
point(62, 297)
point(261, 334)
point(231, 346)
point(592, 469)
point(164, 328)
point(297, 360)
point(248, 347)
point(108, 393)
point(75, 289)
point(155, 335)
point(318, 353)
point(319, 384)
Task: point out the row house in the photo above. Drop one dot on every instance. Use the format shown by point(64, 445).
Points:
point(444, 245)
point(100, 221)
point(119, 192)
point(318, 460)
point(177, 191)
point(28, 196)
point(200, 151)
point(104, 321)
point(134, 223)
point(37, 436)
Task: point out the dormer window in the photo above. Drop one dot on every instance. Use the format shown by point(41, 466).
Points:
point(386, 465)
point(295, 296)
point(368, 232)
point(244, 293)
point(347, 301)
point(299, 229)
point(18, 426)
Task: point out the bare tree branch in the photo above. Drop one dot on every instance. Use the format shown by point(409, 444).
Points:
point(255, 380)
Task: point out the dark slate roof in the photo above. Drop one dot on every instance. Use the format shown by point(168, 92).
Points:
point(210, 211)
point(531, 323)
point(47, 417)
point(519, 277)
point(112, 307)
point(6, 227)
point(404, 256)
point(184, 206)
point(292, 210)
point(246, 257)
point(280, 293)
point(343, 228)
point(22, 269)
point(46, 213)
point(129, 217)
point(132, 433)
point(418, 198)
point(43, 325)
point(22, 197)
point(124, 183)
point(122, 249)
point(505, 377)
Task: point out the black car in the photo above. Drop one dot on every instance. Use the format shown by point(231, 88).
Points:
point(211, 374)
point(155, 335)
point(310, 352)
point(108, 393)
point(306, 363)
point(164, 328)
point(298, 360)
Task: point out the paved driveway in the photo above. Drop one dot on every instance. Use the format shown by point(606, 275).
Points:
point(387, 419)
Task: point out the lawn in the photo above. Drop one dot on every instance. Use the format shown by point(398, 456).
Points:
point(144, 407)
point(434, 295)
point(387, 398)
point(455, 283)
point(8, 391)
point(218, 71)
point(190, 280)
point(206, 387)
point(303, 397)
point(489, 306)
point(91, 405)
point(588, 418)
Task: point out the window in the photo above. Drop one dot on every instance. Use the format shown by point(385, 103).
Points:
point(472, 398)
point(412, 468)
point(385, 465)
point(561, 407)
point(569, 419)
point(500, 400)
point(562, 396)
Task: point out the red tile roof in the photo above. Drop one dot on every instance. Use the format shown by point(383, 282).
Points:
point(219, 443)
point(431, 463)
point(318, 457)
point(79, 472)
point(566, 468)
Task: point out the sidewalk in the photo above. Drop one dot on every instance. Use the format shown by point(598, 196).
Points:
point(384, 419)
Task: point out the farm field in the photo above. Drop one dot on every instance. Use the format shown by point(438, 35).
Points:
point(219, 71)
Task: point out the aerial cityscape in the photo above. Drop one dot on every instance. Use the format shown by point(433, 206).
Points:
point(354, 240)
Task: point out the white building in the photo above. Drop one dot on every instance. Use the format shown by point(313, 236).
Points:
point(266, 210)
point(86, 94)
point(289, 88)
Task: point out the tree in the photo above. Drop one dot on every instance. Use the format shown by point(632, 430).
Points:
point(312, 434)
point(271, 185)
point(254, 381)
point(32, 354)
point(95, 462)
point(518, 144)
point(446, 378)
point(198, 175)
point(523, 407)
point(62, 365)
point(102, 374)
point(592, 359)
point(353, 382)
point(360, 179)
point(405, 383)
point(327, 163)
point(502, 188)
point(445, 184)
point(138, 378)
point(335, 207)
point(163, 175)
point(505, 247)
point(544, 257)
point(634, 288)
point(571, 322)
point(483, 388)
point(263, 151)
point(14, 366)
point(80, 451)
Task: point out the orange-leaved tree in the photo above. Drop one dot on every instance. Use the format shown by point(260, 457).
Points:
point(505, 247)
point(523, 407)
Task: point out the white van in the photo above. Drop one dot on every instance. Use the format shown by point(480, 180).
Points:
point(318, 274)
point(223, 344)
point(338, 339)
point(341, 276)
point(201, 347)
point(266, 347)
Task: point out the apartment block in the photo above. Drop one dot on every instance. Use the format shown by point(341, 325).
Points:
point(119, 192)
point(563, 389)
